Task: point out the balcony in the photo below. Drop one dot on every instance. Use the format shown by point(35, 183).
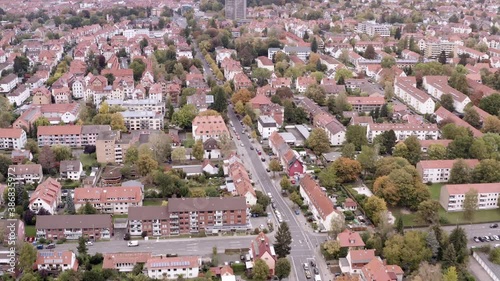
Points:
point(174, 216)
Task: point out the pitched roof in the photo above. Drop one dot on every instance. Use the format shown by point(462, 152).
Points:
point(349, 238)
point(111, 260)
point(318, 198)
point(480, 187)
point(362, 256)
point(445, 164)
point(74, 221)
point(206, 204)
point(172, 262)
point(59, 130)
point(131, 194)
point(10, 133)
point(47, 191)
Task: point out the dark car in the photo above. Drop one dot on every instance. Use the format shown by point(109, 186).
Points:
point(316, 271)
point(50, 246)
point(313, 264)
point(251, 148)
point(495, 225)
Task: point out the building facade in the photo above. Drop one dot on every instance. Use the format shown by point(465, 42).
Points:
point(452, 196)
point(72, 227)
point(12, 138)
point(439, 170)
point(109, 200)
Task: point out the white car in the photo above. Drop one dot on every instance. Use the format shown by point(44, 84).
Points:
point(133, 243)
point(242, 144)
point(89, 243)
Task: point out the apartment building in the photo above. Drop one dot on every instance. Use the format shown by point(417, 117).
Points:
point(422, 131)
point(439, 170)
point(90, 132)
point(59, 135)
point(452, 196)
point(19, 95)
point(366, 104)
point(437, 86)
point(27, 173)
point(72, 227)
point(12, 138)
point(434, 49)
point(109, 200)
point(8, 83)
point(152, 105)
point(205, 127)
point(405, 89)
point(55, 113)
point(266, 125)
point(190, 215)
point(425, 144)
point(173, 267)
point(141, 120)
point(443, 114)
point(56, 261)
point(372, 28)
point(71, 169)
point(125, 261)
point(47, 195)
point(317, 200)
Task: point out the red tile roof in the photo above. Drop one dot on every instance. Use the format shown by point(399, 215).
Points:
point(59, 130)
point(10, 133)
point(319, 199)
point(349, 238)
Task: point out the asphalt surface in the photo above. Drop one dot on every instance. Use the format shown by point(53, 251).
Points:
point(305, 246)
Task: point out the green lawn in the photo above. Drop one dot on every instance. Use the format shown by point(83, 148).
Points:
point(435, 190)
point(452, 218)
point(120, 217)
point(152, 203)
point(88, 160)
point(29, 231)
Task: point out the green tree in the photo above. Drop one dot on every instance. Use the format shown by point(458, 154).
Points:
point(318, 141)
point(407, 251)
point(220, 99)
point(495, 256)
point(472, 117)
point(367, 158)
point(295, 198)
point(328, 178)
point(460, 172)
point(316, 93)
point(184, 116)
point(449, 256)
point(442, 59)
point(470, 204)
point(132, 155)
point(283, 241)
point(117, 122)
point(138, 66)
point(21, 65)
point(87, 209)
point(275, 166)
point(427, 211)
point(343, 74)
point(261, 75)
point(460, 147)
point(27, 257)
point(370, 52)
point(285, 183)
point(487, 171)
point(160, 146)
point(146, 164)
point(458, 238)
point(436, 152)
point(314, 45)
point(400, 227)
point(414, 150)
point(458, 80)
point(198, 150)
point(356, 135)
point(374, 206)
point(61, 152)
point(260, 270)
point(283, 268)
point(491, 104)
point(447, 102)
point(349, 151)
point(70, 205)
point(82, 248)
point(179, 154)
point(388, 62)
point(450, 274)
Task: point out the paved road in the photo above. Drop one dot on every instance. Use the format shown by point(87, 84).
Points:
point(207, 71)
point(305, 244)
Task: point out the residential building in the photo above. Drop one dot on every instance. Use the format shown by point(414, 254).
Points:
point(405, 89)
point(42, 96)
point(109, 200)
point(55, 113)
point(288, 158)
point(71, 169)
point(333, 128)
point(201, 100)
point(236, 9)
point(26, 173)
point(434, 49)
point(173, 267)
point(190, 215)
point(261, 248)
point(366, 104)
point(8, 83)
point(356, 259)
point(452, 196)
point(12, 138)
point(20, 156)
point(124, 261)
point(378, 270)
point(140, 120)
point(72, 227)
point(350, 239)
point(19, 95)
point(152, 105)
point(439, 170)
point(205, 127)
point(319, 203)
point(371, 28)
point(266, 126)
point(422, 131)
point(437, 86)
point(265, 62)
point(238, 176)
point(47, 195)
point(59, 135)
point(58, 261)
point(425, 144)
point(211, 149)
point(90, 132)
point(443, 114)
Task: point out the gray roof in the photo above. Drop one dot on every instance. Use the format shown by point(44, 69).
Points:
point(95, 129)
point(267, 121)
point(190, 169)
point(107, 135)
point(147, 212)
point(74, 221)
point(25, 169)
point(69, 166)
point(292, 49)
point(206, 204)
point(126, 103)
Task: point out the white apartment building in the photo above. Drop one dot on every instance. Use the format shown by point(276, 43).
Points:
point(434, 49)
point(8, 83)
point(173, 267)
point(140, 120)
point(452, 196)
point(11, 138)
point(27, 173)
point(439, 170)
point(152, 105)
point(71, 169)
point(56, 261)
point(437, 86)
point(266, 125)
point(109, 200)
point(419, 100)
point(19, 95)
point(78, 89)
point(403, 131)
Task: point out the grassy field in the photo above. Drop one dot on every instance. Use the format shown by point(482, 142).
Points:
point(29, 230)
point(88, 160)
point(435, 190)
point(481, 216)
point(151, 203)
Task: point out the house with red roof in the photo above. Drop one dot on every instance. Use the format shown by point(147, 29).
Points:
point(47, 195)
point(319, 203)
point(205, 127)
point(440, 170)
point(55, 261)
point(288, 158)
point(350, 239)
point(261, 248)
point(378, 270)
point(109, 200)
point(12, 138)
point(241, 81)
point(265, 62)
point(452, 195)
point(242, 184)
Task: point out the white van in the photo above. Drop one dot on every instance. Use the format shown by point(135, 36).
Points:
point(317, 277)
point(133, 243)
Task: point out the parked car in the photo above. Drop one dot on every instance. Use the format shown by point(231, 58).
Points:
point(89, 243)
point(316, 271)
point(133, 243)
point(297, 211)
point(251, 148)
point(50, 246)
point(39, 246)
point(308, 274)
point(495, 225)
point(476, 239)
point(305, 266)
point(313, 264)
point(263, 159)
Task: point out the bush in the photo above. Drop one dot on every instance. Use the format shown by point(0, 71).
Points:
point(42, 241)
point(443, 220)
point(238, 268)
point(96, 259)
point(495, 256)
point(60, 241)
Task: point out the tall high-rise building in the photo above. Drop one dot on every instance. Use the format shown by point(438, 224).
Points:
point(236, 9)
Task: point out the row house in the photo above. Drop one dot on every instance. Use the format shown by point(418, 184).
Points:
point(288, 158)
point(474, 54)
point(422, 131)
point(56, 261)
point(190, 215)
point(195, 80)
point(20, 156)
point(124, 261)
point(406, 90)
point(319, 203)
point(12, 138)
point(222, 53)
point(443, 114)
point(330, 62)
point(26, 173)
point(47, 195)
point(439, 170)
point(366, 104)
point(362, 45)
point(72, 227)
point(265, 62)
point(61, 95)
point(437, 86)
point(302, 83)
point(59, 135)
point(55, 113)
point(452, 196)
point(241, 81)
point(153, 105)
point(90, 132)
point(201, 100)
point(71, 169)
point(205, 127)
point(166, 268)
point(141, 120)
point(19, 95)
point(243, 187)
point(109, 200)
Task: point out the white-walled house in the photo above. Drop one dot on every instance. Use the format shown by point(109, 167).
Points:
point(47, 195)
point(266, 125)
point(56, 261)
point(71, 169)
point(19, 95)
point(172, 267)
